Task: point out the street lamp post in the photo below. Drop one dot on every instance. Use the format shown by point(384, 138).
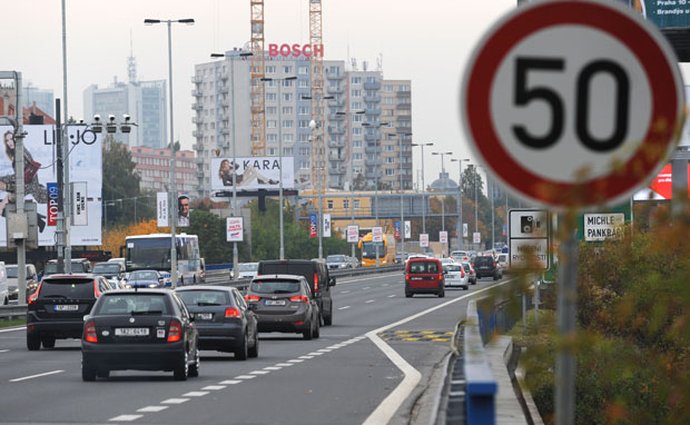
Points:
point(280, 153)
point(235, 252)
point(459, 227)
point(423, 186)
point(476, 207)
point(352, 177)
point(402, 191)
point(173, 158)
point(443, 196)
point(376, 127)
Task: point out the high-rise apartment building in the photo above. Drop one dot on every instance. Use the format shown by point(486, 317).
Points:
point(355, 152)
point(153, 166)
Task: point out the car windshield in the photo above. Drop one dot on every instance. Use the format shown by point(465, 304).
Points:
point(132, 303)
point(204, 297)
point(249, 267)
point(424, 267)
point(11, 271)
point(336, 259)
point(107, 269)
point(483, 260)
point(143, 275)
point(274, 286)
point(67, 288)
point(452, 267)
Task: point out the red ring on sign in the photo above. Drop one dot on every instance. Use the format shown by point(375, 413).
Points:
point(664, 116)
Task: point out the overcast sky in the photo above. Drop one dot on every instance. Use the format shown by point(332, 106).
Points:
point(426, 42)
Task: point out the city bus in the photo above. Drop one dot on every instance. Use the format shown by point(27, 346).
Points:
point(152, 251)
point(386, 250)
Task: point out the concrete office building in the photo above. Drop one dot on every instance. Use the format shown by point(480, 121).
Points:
point(352, 97)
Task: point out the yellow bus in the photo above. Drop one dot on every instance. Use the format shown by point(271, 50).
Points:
point(386, 250)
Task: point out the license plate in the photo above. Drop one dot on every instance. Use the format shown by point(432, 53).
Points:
point(416, 278)
point(66, 307)
point(275, 302)
point(203, 316)
point(131, 331)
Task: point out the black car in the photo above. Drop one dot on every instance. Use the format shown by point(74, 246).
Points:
point(56, 310)
point(487, 266)
point(146, 279)
point(223, 320)
point(284, 303)
point(316, 273)
point(139, 329)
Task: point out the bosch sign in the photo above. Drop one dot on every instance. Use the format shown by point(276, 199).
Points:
point(295, 50)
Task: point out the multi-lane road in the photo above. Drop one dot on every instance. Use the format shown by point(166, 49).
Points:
point(382, 359)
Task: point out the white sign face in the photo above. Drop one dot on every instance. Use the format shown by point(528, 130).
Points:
point(443, 236)
point(532, 253)
point(528, 223)
point(599, 227)
point(476, 237)
point(326, 225)
point(564, 109)
point(40, 176)
point(162, 209)
point(424, 240)
point(465, 230)
point(80, 213)
point(234, 229)
point(408, 230)
point(377, 234)
point(252, 173)
point(352, 233)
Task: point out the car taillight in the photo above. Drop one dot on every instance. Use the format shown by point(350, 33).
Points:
point(440, 276)
point(33, 297)
point(252, 298)
point(316, 282)
point(96, 292)
point(232, 312)
point(175, 331)
point(300, 299)
point(90, 332)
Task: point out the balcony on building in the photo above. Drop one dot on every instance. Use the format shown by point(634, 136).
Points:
point(199, 160)
point(405, 106)
point(337, 170)
point(402, 94)
point(335, 90)
point(373, 111)
point(196, 93)
point(336, 130)
point(197, 79)
point(334, 156)
point(336, 144)
point(372, 99)
point(197, 134)
point(371, 137)
point(197, 120)
point(403, 129)
point(335, 117)
point(372, 85)
point(197, 106)
point(198, 147)
point(334, 76)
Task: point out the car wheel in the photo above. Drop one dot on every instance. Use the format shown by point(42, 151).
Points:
point(48, 341)
point(242, 352)
point(254, 349)
point(181, 371)
point(441, 293)
point(317, 330)
point(308, 334)
point(408, 294)
point(495, 277)
point(6, 301)
point(194, 367)
point(88, 373)
point(328, 320)
point(103, 373)
point(33, 342)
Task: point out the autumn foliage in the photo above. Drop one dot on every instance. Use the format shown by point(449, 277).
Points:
point(113, 239)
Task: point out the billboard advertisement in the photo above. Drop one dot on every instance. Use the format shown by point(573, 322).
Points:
point(252, 173)
point(234, 229)
point(40, 175)
point(661, 187)
point(313, 232)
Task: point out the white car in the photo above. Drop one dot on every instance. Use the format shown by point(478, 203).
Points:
point(455, 276)
point(247, 270)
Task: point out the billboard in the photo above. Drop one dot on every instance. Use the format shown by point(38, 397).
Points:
point(661, 187)
point(252, 173)
point(40, 175)
point(234, 229)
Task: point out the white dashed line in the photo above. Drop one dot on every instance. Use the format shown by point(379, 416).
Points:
point(273, 368)
point(324, 350)
point(152, 409)
point(230, 382)
point(344, 307)
point(24, 378)
point(175, 401)
point(4, 351)
point(259, 372)
point(369, 301)
point(365, 288)
point(305, 357)
point(345, 292)
point(295, 361)
point(392, 296)
point(195, 394)
point(215, 387)
point(125, 418)
point(315, 353)
point(284, 364)
point(245, 377)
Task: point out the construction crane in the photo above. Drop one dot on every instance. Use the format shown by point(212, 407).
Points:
point(258, 71)
point(318, 143)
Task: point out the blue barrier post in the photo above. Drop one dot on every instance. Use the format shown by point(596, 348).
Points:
point(480, 386)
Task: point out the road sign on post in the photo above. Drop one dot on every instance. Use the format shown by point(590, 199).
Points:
point(572, 104)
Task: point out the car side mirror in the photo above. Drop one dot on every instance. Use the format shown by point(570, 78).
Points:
point(331, 281)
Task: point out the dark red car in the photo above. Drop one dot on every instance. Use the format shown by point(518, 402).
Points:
point(424, 276)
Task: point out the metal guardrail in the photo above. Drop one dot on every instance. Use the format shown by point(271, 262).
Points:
point(222, 277)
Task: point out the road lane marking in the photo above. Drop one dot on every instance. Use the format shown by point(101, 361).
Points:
point(195, 394)
point(344, 308)
point(345, 292)
point(392, 296)
point(369, 301)
point(2, 331)
point(295, 361)
point(259, 372)
point(175, 401)
point(272, 368)
point(152, 409)
point(230, 382)
point(386, 409)
point(315, 353)
point(214, 387)
point(4, 351)
point(284, 364)
point(324, 350)
point(24, 378)
point(125, 418)
point(244, 377)
point(365, 288)
point(305, 357)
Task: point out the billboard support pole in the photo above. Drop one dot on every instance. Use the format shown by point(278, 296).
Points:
point(60, 228)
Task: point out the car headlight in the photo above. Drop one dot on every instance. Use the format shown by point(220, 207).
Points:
point(153, 285)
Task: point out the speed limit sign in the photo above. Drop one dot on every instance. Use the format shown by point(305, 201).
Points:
point(572, 103)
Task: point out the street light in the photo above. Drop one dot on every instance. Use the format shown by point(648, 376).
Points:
point(423, 186)
point(280, 152)
point(443, 196)
point(173, 156)
point(402, 190)
point(235, 252)
point(459, 229)
point(376, 176)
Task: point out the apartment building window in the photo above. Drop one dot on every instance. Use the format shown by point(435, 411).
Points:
point(287, 110)
point(334, 70)
point(287, 69)
point(271, 97)
point(304, 151)
point(356, 80)
point(356, 93)
point(357, 118)
point(303, 84)
point(329, 204)
point(371, 79)
point(404, 88)
point(355, 203)
point(271, 151)
point(288, 138)
point(390, 172)
point(304, 165)
point(303, 70)
point(287, 83)
point(303, 110)
point(357, 156)
point(287, 151)
point(357, 143)
point(271, 137)
point(303, 137)
point(271, 110)
point(303, 123)
point(346, 203)
point(287, 97)
point(270, 69)
point(270, 123)
point(287, 123)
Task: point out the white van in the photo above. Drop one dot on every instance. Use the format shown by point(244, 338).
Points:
point(4, 289)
